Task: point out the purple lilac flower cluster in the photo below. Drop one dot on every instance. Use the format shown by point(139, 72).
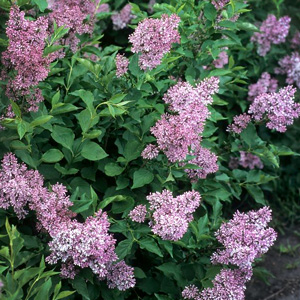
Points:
point(138, 214)
point(279, 108)
point(219, 4)
point(272, 31)
point(121, 19)
point(122, 65)
point(229, 284)
point(245, 238)
point(84, 245)
point(290, 66)
point(246, 160)
point(153, 38)
point(265, 84)
point(120, 276)
point(206, 160)
point(24, 55)
point(295, 41)
point(171, 216)
point(221, 61)
point(76, 244)
point(240, 122)
point(180, 134)
point(63, 12)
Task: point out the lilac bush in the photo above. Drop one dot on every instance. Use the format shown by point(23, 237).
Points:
point(131, 132)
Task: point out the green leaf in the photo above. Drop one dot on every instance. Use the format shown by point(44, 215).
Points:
point(113, 169)
point(256, 193)
point(139, 273)
point(41, 120)
point(141, 178)
point(87, 97)
point(80, 286)
point(22, 128)
point(150, 245)
point(132, 150)
point(52, 156)
point(64, 136)
point(51, 49)
point(43, 291)
point(124, 248)
point(64, 294)
point(210, 12)
point(42, 4)
point(16, 109)
point(92, 151)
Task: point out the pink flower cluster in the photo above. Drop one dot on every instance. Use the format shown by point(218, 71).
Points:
point(246, 160)
point(72, 14)
point(229, 284)
point(221, 61)
point(122, 65)
point(76, 244)
point(249, 160)
point(206, 160)
point(153, 38)
point(265, 84)
point(219, 4)
point(171, 216)
point(150, 152)
point(295, 42)
point(290, 66)
point(240, 122)
point(138, 214)
point(24, 55)
point(272, 31)
point(279, 109)
point(180, 134)
point(121, 19)
point(120, 276)
point(244, 238)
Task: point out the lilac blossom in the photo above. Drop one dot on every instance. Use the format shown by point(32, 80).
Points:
point(272, 31)
point(76, 245)
point(103, 8)
point(229, 284)
point(138, 214)
point(221, 61)
point(84, 245)
point(183, 94)
point(190, 292)
point(171, 216)
point(18, 185)
point(290, 66)
point(249, 160)
point(279, 109)
point(233, 162)
point(175, 134)
point(219, 4)
point(150, 152)
point(265, 84)
point(295, 41)
point(24, 56)
point(120, 276)
point(240, 122)
point(73, 14)
point(153, 38)
point(245, 238)
point(122, 65)
point(205, 160)
point(121, 19)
